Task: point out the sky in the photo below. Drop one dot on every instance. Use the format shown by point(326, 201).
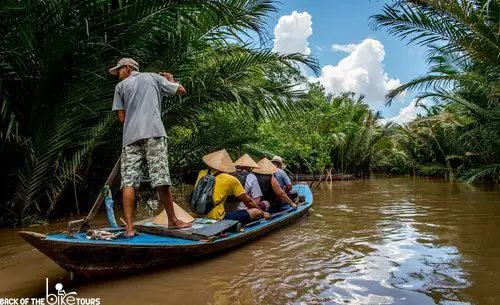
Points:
point(353, 55)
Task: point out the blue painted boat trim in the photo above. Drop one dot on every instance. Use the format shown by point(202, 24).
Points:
point(145, 239)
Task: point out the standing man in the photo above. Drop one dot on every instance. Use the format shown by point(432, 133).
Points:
point(137, 100)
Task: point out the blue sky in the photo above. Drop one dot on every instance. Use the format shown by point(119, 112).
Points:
point(345, 22)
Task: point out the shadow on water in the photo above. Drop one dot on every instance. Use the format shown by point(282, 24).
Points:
point(378, 241)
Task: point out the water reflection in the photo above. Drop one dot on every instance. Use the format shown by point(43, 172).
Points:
point(387, 241)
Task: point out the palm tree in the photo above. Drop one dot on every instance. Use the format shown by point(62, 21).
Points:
point(463, 46)
point(56, 92)
point(338, 132)
point(468, 29)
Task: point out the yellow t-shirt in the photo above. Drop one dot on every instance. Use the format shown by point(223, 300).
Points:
point(225, 185)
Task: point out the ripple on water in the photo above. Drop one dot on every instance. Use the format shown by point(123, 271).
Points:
point(367, 242)
point(389, 261)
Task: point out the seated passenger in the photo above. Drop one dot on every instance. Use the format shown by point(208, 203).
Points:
point(271, 190)
point(220, 164)
point(283, 179)
point(244, 165)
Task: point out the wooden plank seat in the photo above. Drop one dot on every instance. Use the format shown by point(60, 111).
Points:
point(201, 230)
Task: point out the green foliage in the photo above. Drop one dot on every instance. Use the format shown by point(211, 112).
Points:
point(336, 132)
point(56, 93)
point(460, 137)
point(210, 132)
point(56, 129)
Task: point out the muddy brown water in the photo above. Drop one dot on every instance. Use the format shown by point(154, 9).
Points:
point(378, 241)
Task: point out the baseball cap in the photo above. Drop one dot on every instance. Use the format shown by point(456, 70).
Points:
point(124, 62)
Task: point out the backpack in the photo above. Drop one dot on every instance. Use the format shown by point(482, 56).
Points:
point(202, 201)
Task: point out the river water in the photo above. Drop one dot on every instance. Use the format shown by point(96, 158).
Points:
point(377, 241)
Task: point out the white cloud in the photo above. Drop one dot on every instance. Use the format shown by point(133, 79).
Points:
point(292, 32)
point(408, 113)
point(344, 47)
point(362, 71)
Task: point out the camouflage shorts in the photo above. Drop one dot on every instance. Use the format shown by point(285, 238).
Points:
point(150, 154)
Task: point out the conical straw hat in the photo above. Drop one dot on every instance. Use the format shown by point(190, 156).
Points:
point(162, 219)
point(246, 161)
point(220, 160)
point(180, 213)
point(265, 167)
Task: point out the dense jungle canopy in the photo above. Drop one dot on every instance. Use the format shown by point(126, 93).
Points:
point(59, 138)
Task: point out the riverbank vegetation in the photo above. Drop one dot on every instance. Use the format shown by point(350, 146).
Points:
point(339, 132)
point(460, 134)
point(59, 139)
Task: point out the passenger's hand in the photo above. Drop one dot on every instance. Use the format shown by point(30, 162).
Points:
point(266, 215)
point(294, 205)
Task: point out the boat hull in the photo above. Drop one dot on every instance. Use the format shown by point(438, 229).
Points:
point(99, 259)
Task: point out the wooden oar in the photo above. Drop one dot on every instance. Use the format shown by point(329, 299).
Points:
point(76, 225)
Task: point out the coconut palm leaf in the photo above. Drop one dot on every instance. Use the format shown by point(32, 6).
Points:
point(54, 57)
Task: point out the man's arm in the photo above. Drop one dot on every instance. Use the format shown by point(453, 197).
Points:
point(169, 77)
point(250, 205)
point(118, 104)
point(121, 116)
point(281, 194)
point(257, 200)
point(181, 91)
point(286, 181)
point(247, 200)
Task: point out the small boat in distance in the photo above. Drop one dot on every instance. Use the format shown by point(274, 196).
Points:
point(156, 246)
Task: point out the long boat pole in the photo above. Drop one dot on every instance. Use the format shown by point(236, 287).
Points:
point(76, 225)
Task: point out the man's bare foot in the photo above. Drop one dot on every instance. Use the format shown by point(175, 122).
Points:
point(177, 223)
point(129, 232)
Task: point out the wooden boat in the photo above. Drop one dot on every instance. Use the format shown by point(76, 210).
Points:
point(103, 257)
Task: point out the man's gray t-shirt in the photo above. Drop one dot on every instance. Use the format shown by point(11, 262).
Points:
point(282, 178)
point(140, 96)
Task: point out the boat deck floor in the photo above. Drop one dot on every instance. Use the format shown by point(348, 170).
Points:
point(148, 239)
